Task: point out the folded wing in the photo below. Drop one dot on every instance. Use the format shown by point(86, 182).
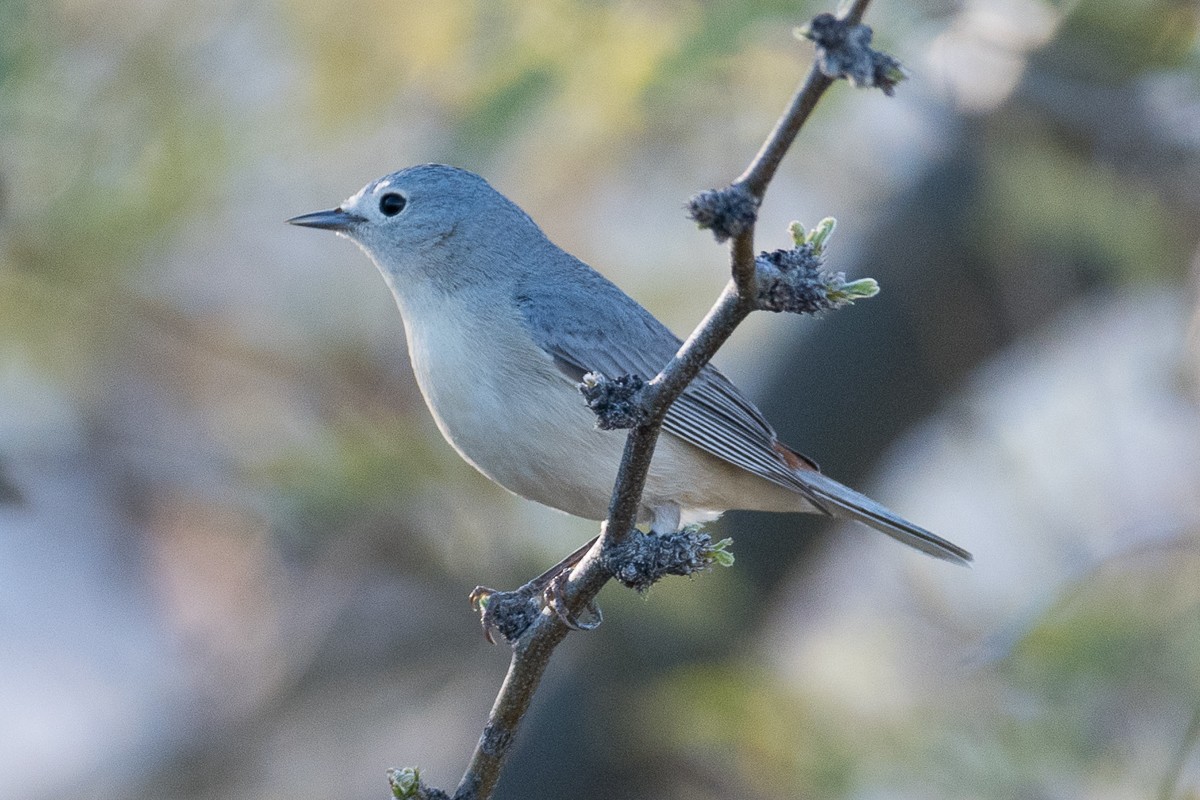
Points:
point(601, 329)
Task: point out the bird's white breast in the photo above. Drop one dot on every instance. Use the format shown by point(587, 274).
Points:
point(500, 401)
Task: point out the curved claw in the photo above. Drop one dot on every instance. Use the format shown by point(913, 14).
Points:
point(555, 599)
point(479, 597)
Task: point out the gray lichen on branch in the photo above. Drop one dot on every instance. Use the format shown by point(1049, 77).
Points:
point(619, 403)
point(795, 280)
point(642, 559)
point(508, 613)
point(844, 51)
point(727, 212)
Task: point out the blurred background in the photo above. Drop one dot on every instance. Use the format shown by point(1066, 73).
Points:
point(235, 553)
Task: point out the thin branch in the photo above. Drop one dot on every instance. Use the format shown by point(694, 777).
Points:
point(762, 169)
point(854, 13)
point(532, 651)
point(529, 660)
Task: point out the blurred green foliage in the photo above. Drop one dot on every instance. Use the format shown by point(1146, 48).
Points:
point(1130, 629)
point(351, 471)
point(489, 65)
point(1109, 40)
point(1100, 690)
point(107, 149)
point(743, 724)
point(591, 75)
point(1044, 201)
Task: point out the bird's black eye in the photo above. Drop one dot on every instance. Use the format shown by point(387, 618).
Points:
point(392, 204)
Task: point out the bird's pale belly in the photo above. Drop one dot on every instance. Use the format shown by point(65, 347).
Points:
point(531, 432)
point(528, 429)
point(544, 447)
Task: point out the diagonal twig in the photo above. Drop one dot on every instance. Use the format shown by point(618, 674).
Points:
point(532, 650)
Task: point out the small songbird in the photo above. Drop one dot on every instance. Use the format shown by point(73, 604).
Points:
point(502, 326)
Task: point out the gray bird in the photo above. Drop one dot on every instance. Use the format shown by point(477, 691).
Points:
point(502, 325)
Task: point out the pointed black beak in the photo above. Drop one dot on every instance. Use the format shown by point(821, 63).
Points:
point(334, 219)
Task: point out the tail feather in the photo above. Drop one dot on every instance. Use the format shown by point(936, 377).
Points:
point(824, 492)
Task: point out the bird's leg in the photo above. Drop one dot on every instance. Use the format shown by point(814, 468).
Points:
point(556, 600)
point(511, 613)
point(563, 567)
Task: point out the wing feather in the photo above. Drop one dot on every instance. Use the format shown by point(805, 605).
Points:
point(590, 325)
point(711, 414)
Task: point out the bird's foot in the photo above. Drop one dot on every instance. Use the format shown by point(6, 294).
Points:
point(555, 598)
point(511, 613)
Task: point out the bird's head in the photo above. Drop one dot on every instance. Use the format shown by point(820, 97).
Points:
point(432, 224)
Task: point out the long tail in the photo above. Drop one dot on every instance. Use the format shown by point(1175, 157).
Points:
point(842, 501)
